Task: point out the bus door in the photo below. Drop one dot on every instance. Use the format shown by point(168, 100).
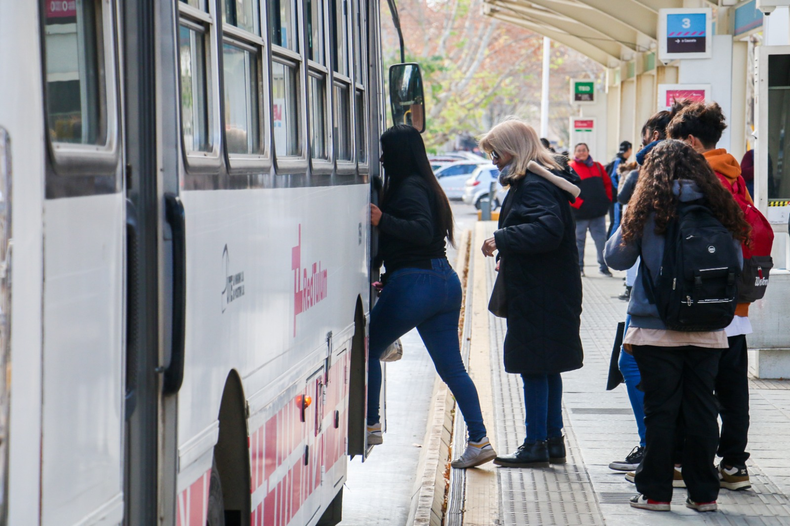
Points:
point(84, 213)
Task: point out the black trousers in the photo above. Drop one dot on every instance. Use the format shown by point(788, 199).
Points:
point(732, 390)
point(679, 381)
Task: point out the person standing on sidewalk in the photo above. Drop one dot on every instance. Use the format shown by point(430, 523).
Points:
point(592, 206)
point(539, 264)
point(653, 132)
point(701, 125)
point(678, 369)
point(420, 288)
point(612, 169)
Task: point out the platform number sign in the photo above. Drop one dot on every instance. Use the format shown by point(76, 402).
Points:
point(684, 33)
point(582, 91)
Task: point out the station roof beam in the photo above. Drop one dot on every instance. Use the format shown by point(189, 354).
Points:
point(607, 31)
point(584, 47)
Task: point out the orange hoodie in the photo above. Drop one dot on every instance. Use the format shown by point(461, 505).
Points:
point(727, 166)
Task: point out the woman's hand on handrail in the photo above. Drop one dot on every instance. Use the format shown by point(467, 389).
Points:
point(375, 215)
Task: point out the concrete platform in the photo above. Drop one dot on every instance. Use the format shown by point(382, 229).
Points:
point(599, 427)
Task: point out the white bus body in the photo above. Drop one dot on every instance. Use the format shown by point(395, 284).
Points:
point(189, 254)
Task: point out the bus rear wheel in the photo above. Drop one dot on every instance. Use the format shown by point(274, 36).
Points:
point(216, 505)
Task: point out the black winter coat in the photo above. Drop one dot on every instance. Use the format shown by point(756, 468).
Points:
point(536, 240)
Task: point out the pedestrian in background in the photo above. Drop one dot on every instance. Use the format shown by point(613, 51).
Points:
point(420, 288)
point(592, 205)
point(678, 369)
point(653, 132)
point(546, 144)
point(538, 260)
point(613, 170)
point(747, 170)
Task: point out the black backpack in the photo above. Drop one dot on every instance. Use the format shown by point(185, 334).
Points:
point(697, 285)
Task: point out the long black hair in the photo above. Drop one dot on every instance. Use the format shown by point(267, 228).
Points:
point(403, 155)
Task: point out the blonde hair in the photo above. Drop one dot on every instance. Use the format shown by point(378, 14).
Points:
point(520, 140)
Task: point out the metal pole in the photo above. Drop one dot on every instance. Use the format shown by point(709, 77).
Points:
point(544, 98)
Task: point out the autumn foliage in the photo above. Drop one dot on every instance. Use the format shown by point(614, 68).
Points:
point(478, 70)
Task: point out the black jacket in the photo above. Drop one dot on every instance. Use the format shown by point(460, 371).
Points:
point(537, 244)
point(409, 227)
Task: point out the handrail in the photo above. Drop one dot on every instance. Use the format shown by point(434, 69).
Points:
point(174, 373)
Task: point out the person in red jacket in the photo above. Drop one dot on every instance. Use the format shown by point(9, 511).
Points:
point(700, 125)
point(592, 205)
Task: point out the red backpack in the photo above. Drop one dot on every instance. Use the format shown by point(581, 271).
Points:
point(757, 261)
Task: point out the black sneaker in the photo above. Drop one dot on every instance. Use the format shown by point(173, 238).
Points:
point(556, 450)
point(605, 272)
point(527, 456)
point(631, 461)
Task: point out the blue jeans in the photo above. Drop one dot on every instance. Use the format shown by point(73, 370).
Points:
point(597, 228)
point(431, 301)
point(632, 377)
point(543, 404)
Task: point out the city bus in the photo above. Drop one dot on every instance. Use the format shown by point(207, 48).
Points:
point(185, 258)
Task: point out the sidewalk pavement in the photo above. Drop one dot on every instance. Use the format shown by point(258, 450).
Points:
point(600, 428)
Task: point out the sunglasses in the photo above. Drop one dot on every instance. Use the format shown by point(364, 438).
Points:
point(494, 156)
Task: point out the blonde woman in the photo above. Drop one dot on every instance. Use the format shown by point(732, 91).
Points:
point(536, 248)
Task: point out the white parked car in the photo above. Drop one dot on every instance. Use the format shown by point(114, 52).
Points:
point(452, 178)
point(479, 185)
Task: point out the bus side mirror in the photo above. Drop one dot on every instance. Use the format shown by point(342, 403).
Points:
point(407, 99)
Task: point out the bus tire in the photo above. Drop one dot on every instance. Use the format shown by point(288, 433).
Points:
point(334, 513)
point(216, 506)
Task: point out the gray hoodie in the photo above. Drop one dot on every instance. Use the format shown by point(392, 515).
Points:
point(651, 247)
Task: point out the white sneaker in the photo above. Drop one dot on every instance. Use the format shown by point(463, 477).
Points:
point(476, 453)
point(375, 437)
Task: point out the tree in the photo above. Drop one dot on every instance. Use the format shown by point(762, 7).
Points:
point(476, 69)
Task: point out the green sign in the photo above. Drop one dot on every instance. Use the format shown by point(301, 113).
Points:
point(583, 91)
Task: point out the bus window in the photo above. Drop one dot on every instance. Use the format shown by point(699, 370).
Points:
point(195, 3)
point(194, 99)
point(315, 31)
point(285, 109)
point(342, 112)
point(362, 136)
point(318, 117)
point(75, 96)
point(242, 14)
point(339, 37)
point(242, 117)
point(360, 42)
point(282, 20)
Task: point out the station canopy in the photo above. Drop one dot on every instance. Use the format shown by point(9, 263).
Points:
point(607, 31)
